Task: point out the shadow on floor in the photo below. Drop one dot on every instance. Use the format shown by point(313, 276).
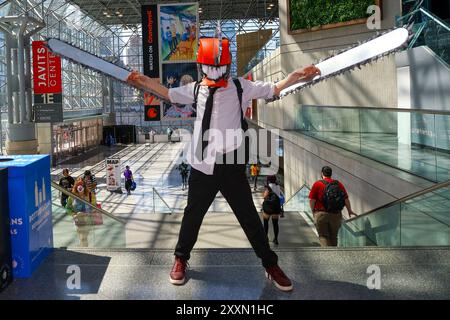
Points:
point(64, 275)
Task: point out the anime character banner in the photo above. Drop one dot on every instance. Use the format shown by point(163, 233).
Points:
point(178, 32)
point(175, 75)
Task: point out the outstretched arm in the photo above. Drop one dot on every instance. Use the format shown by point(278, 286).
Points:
point(150, 85)
point(304, 74)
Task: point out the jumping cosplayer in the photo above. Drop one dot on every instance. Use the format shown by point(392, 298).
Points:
point(219, 110)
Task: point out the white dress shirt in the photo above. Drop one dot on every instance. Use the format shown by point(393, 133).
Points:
point(225, 118)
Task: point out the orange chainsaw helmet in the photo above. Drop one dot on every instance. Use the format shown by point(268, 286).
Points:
point(214, 61)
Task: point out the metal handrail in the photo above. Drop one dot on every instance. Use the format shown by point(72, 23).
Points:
point(291, 197)
point(74, 196)
point(435, 18)
point(406, 198)
point(157, 193)
point(426, 111)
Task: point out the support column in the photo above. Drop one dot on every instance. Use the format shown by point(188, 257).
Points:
point(21, 132)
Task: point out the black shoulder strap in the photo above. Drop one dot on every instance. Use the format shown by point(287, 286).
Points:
point(325, 182)
point(238, 85)
point(196, 90)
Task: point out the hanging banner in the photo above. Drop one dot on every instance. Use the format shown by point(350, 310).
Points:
point(113, 171)
point(47, 82)
point(46, 70)
point(150, 40)
point(150, 47)
point(178, 25)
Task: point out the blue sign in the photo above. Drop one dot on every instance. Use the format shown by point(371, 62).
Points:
point(30, 205)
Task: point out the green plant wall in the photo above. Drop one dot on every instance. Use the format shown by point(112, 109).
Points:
point(307, 14)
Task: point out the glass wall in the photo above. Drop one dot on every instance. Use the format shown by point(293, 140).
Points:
point(416, 141)
point(423, 220)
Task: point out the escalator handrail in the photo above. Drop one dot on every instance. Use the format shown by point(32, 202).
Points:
point(406, 198)
point(70, 194)
point(435, 19)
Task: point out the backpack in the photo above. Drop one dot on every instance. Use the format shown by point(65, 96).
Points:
point(272, 204)
point(333, 197)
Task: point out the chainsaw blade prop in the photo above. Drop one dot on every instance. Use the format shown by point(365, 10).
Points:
point(93, 62)
point(355, 57)
point(343, 61)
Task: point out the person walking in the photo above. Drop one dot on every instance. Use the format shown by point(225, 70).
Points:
point(66, 182)
point(152, 135)
point(327, 199)
point(184, 172)
point(216, 165)
point(272, 206)
point(169, 134)
point(80, 211)
point(91, 184)
point(128, 179)
point(254, 172)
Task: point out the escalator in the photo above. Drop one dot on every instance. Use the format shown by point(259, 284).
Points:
point(431, 29)
point(421, 219)
point(100, 230)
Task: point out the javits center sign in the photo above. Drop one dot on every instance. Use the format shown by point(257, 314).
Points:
point(47, 84)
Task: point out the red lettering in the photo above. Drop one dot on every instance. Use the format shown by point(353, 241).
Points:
point(150, 26)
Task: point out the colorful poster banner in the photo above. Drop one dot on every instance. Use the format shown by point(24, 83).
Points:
point(178, 32)
point(175, 75)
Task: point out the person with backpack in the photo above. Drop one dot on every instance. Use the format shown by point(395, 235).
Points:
point(216, 163)
point(327, 199)
point(272, 206)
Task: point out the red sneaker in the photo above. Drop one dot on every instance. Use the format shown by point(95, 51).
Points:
point(280, 280)
point(178, 273)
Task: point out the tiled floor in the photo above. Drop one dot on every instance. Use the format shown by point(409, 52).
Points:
point(228, 274)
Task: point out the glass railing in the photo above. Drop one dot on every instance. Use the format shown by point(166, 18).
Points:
point(159, 204)
point(429, 31)
point(416, 141)
point(299, 202)
point(421, 219)
point(80, 224)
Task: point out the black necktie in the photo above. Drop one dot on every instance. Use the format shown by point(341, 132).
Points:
point(206, 121)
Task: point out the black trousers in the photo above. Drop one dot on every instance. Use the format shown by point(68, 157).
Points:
point(231, 181)
point(128, 184)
